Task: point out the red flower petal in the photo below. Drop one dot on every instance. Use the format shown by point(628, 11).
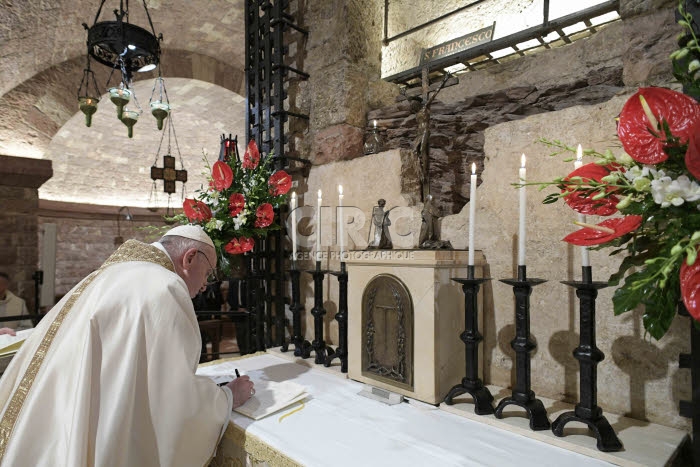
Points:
point(251, 158)
point(280, 182)
point(583, 202)
point(222, 175)
point(239, 245)
point(692, 157)
point(681, 112)
point(247, 244)
point(588, 236)
point(265, 215)
point(196, 211)
point(690, 288)
point(236, 203)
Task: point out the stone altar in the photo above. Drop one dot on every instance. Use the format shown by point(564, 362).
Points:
point(438, 316)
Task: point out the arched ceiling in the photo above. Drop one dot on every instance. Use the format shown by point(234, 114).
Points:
point(101, 165)
point(35, 36)
point(42, 55)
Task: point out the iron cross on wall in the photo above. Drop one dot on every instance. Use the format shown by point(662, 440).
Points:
point(168, 174)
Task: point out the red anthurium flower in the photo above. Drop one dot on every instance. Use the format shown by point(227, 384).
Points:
point(583, 202)
point(690, 288)
point(612, 228)
point(222, 175)
point(692, 157)
point(264, 215)
point(641, 139)
point(196, 211)
point(251, 158)
point(239, 245)
point(280, 182)
point(236, 203)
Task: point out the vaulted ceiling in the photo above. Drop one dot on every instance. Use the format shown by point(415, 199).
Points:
point(42, 55)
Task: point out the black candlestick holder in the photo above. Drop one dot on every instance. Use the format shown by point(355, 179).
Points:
point(302, 348)
point(341, 352)
point(588, 356)
point(318, 345)
point(522, 395)
point(471, 383)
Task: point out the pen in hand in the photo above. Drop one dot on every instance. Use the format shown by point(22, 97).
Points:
point(238, 375)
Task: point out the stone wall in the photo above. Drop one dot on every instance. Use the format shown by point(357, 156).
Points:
point(639, 376)
point(572, 93)
point(342, 56)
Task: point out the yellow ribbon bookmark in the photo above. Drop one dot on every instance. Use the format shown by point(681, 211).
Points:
point(293, 411)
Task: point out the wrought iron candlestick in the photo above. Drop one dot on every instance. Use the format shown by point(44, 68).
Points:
point(522, 395)
point(302, 348)
point(471, 383)
point(588, 355)
point(341, 352)
point(318, 345)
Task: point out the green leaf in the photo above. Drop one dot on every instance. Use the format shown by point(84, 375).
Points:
point(626, 299)
point(625, 265)
point(552, 198)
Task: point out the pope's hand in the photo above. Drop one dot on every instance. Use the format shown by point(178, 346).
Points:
point(242, 389)
point(9, 331)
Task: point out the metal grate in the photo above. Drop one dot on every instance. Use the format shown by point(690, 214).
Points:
point(267, 76)
point(548, 35)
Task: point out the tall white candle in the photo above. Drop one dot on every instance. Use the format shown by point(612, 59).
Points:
point(585, 260)
point(318, 227)
point(341, 221)
point(293, 206)
point(472, 213)
point(523, 208)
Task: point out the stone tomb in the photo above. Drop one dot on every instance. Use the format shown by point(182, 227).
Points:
point(407, 345)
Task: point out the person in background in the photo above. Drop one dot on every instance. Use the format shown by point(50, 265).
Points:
point(11, 305)
point(108, 375)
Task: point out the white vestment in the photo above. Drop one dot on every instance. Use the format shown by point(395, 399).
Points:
point(107, 378)
point(12, 305)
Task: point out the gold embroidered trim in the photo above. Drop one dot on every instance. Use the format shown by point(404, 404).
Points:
point(257, 449)
point(9, 418)
point(132, 250)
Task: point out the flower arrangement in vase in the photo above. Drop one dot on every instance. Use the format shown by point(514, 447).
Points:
point(238, 206)
point(650, 195)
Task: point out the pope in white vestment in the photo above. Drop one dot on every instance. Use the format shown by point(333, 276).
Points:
point(107, 378)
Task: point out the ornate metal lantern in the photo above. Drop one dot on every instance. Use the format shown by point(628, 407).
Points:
point(128, 48)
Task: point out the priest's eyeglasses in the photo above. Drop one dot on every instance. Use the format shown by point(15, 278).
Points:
point(211, 275)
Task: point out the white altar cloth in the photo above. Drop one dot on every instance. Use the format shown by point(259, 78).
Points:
point(337, 427)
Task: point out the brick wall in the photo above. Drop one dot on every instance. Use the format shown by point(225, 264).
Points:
point(20, 179)
point(86, 234)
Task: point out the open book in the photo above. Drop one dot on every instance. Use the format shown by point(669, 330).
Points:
point(9, 345)
point(271, 397)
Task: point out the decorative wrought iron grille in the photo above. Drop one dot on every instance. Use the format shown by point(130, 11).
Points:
point(268, 73)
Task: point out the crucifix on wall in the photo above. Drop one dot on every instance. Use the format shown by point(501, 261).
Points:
point(420, 104)
point(169, 174)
